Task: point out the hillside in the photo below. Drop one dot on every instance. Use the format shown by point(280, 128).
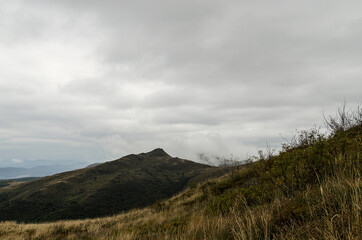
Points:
point(310, 190)
point(105, 189)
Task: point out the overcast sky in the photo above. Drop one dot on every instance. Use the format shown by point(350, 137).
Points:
point(96, 80)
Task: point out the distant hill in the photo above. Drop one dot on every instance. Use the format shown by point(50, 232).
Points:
point(8, 182)
point(93, 165)
point(105, 189)
point(37, 171)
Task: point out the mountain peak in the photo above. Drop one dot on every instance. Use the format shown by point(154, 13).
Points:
point(158, 152)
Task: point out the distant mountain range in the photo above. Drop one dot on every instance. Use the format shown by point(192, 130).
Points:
point(38, 171)
point(102, 189)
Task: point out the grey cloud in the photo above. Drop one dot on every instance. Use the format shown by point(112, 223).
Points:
point(117, 77)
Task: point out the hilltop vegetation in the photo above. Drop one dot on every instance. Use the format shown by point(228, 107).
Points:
point(310, 190)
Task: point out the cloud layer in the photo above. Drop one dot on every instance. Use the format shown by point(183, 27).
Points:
point(95, 80)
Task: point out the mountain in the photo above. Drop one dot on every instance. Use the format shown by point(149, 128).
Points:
point(132, 181)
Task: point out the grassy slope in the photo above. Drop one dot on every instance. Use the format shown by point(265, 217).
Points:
point(105, 189)
point(309, 191)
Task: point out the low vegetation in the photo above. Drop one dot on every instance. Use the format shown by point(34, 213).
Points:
point(310, 190)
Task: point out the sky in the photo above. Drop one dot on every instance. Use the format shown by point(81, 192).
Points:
point(92, 81)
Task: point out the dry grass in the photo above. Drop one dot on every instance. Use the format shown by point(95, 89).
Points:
point(333, 212)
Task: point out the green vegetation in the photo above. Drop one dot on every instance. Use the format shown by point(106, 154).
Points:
point(310, 190)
